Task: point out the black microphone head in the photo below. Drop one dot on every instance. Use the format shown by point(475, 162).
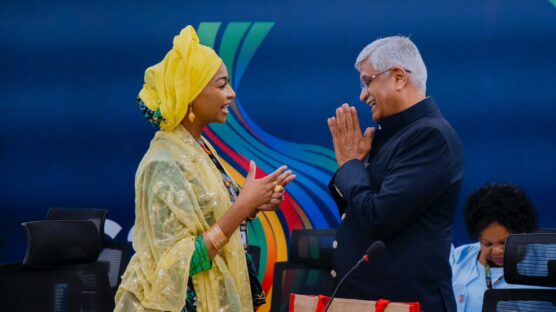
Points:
point(375, 249)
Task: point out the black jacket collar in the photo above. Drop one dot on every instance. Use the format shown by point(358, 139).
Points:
point(409, 115)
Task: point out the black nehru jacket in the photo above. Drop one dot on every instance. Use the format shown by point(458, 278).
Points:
point(404, 194)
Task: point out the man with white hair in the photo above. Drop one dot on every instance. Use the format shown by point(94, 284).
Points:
point(398, 184)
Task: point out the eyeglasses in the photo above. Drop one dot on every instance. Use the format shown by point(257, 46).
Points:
point(364, 84)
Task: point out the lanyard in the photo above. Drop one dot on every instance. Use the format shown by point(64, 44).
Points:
point(488, 275)
point(229, 183)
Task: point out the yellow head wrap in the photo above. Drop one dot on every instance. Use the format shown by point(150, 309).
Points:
point(171, 85)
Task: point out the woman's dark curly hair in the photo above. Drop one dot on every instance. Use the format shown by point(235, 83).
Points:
point(502, 203)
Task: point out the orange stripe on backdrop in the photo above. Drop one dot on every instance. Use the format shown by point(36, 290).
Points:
point(238, 177)
point(276, 249)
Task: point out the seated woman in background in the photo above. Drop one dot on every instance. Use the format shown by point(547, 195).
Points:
point(491, 214)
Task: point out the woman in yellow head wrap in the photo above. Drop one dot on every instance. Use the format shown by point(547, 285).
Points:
point(188, 211)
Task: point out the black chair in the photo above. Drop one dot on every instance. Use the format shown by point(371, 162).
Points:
point(529, 259)
point(59, 272)
point(68, 266)
point(313, 247)
point(308, 269)
point(76, 287)
point(60, 242)
point(97, 216)
point(115, 254)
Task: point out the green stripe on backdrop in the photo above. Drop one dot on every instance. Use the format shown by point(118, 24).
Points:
point(257, 238)
point(230, 43)
point(207, 33)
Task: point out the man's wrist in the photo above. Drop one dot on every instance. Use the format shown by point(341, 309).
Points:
point(342, 162)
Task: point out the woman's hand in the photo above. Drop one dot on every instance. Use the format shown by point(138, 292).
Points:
point(278, 193)
point(259, 193)
point(264, 192)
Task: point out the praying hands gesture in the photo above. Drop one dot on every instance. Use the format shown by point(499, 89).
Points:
point(349, 142)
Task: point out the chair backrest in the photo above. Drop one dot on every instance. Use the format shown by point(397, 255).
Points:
point(530, 259)
point(114, 254)
point(546, 230)
point(307, 270)
point(524, 300)
point(298, 278)
point(67, 266)
point(312, 247)
point(76, 287)
point(97, 216)
point(53, 242)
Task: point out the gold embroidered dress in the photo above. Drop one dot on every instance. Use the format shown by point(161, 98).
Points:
point(179, 195)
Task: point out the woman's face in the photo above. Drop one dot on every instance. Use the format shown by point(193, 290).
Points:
point(493, 240)
point(212, 104)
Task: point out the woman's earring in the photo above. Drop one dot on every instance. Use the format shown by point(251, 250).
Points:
point(191, 116)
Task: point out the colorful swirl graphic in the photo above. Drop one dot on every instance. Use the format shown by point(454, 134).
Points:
point(307, 202)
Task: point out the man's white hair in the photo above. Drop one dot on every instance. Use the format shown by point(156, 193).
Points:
point(384, 53)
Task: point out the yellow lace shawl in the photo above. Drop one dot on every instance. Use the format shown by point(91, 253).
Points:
point(179, 195)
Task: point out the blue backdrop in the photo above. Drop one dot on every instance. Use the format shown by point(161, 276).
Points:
point(71, 134)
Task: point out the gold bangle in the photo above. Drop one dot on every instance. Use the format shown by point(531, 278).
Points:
point(213, 241)
point(216, 236)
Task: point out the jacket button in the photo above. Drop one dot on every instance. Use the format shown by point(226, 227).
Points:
point(343, 216)
point(333, 273)
point(334, 244)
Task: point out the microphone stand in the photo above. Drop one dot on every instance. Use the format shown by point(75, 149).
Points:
point(365, 258)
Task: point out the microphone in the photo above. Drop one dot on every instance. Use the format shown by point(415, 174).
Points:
point(375, 249)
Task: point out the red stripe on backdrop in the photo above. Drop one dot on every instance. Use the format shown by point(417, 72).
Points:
point(237, 158)
point(293, 220)
point(240, 160)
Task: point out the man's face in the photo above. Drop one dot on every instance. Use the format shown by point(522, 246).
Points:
point(379, 91)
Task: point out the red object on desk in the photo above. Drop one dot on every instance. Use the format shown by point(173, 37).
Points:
point(307, 303)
